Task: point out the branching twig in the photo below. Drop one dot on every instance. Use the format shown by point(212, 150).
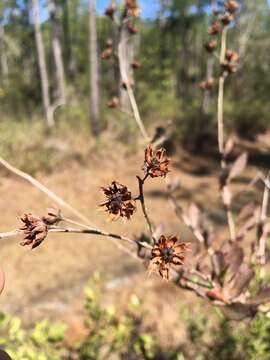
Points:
point(141, 198)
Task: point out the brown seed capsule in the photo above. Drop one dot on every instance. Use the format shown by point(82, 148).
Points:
point(106, 54)
point(167, 252)
point(132, 8)
point(232, 6)
point(110, 10)
point(135, 64)
point(113, 102)
point(207, 84)
point(34, 229)
point(132, 29)
point(232, 56)
point(229, 67)
point(52, 217)
point(227, 18)
point(119, 202)
point(215, 28)
point(130, 82)
point(211, 46)
point(156, 162)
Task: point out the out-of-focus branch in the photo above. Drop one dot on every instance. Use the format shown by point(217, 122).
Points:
point(43, 189)
point(130, 92)
point(262, 231)
point(225, 195)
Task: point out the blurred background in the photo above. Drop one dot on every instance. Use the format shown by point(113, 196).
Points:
point(73, 129)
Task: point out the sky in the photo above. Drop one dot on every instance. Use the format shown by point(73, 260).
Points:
point(149, 8)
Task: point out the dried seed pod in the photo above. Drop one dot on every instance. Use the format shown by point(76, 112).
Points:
point(156, 163)
point(52, 217)
point(231, 6)
point(135, 64)
point(107, 53)
point(167, 252)
point(132, 29)
point(113, 102)
point(130, 83)
point(207, 84)
point(215, 28)
point(211, 45)
point(132, 8)
point(110, 10)
point(232, 56)
point(119, 202)
point(229, 67)
point(34, 229)
point(227, 18)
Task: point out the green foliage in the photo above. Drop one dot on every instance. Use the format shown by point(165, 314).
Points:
point(215, 337)
point(44, 342)
point(112, 333)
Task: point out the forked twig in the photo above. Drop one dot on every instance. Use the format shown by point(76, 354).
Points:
point(141, 198)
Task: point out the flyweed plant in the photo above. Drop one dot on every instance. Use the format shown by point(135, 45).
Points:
point(229, 274)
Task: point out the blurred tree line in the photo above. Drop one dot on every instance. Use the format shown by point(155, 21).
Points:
point(45, 60)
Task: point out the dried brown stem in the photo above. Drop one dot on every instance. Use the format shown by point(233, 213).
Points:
point(88, 230)
point(141, 199)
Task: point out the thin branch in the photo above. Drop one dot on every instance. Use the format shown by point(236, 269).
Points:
point(55, 198)
point(221, 142)
point(141, 198)
point(10, 234)
point(130, 92)
point(43, 189)
point(88, 230)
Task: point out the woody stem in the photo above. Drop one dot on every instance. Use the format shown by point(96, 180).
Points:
point(141, 199)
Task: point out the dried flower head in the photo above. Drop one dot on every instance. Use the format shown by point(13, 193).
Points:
point(166, 253)
point(215, 28)
point(35, 230)
point(113, 102)
point(119, 201)
point(135, 64)
point(232, 6)
point(130, 83)
point(232, 56)
point(132, 29)
point(207, 84)
point(229, 67)
point(53, 216)
point(107, 52)
point(156, 163)
point(227, 18)
point(211, 46)
point(110, 10)
point(132, 8)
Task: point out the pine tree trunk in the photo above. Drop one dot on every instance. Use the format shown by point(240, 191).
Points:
point(57, 50)
point(3, 55)
point(42, 64)
point(94, 71)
